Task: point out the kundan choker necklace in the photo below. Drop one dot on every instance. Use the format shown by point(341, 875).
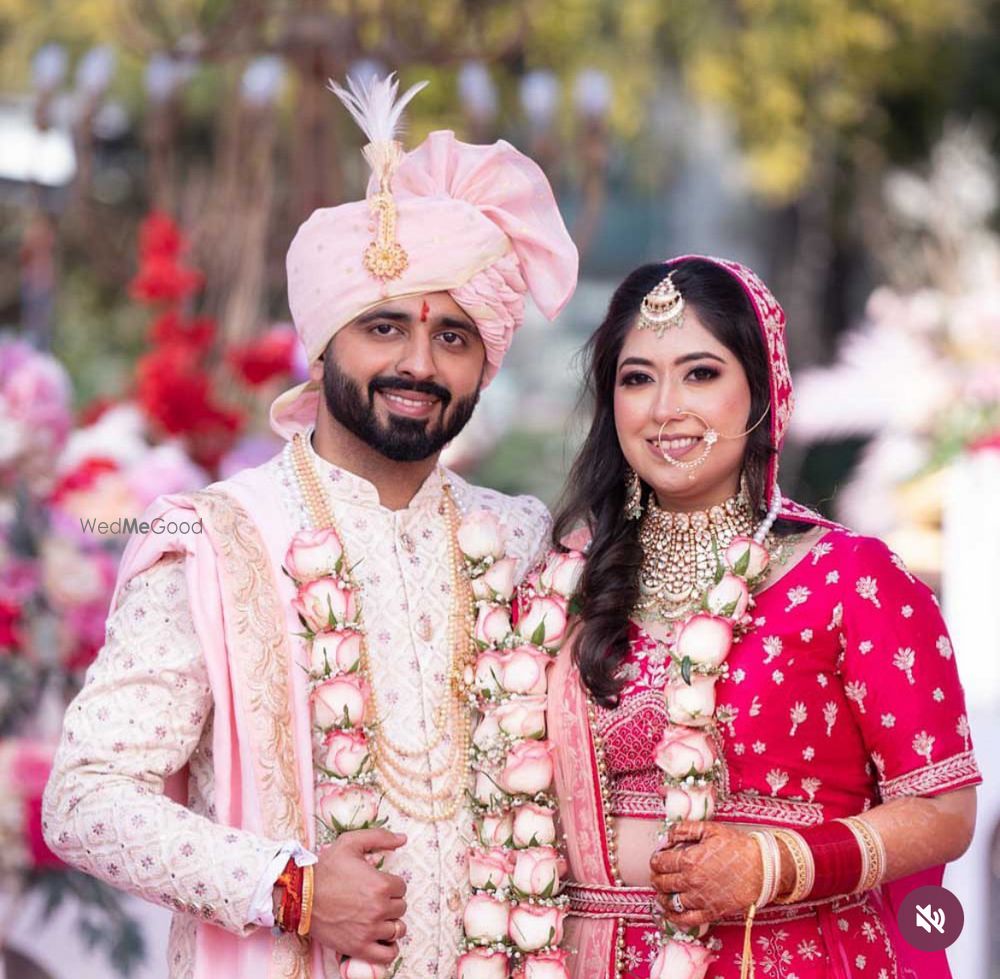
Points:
point(681, 554)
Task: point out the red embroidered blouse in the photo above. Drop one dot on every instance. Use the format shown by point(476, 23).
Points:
point(844, 694)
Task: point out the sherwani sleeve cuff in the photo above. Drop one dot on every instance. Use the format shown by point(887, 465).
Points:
point(262, 905)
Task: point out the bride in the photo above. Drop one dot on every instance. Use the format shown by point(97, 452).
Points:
point(799, 719)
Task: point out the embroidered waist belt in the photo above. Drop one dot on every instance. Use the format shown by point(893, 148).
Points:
point(638, 904)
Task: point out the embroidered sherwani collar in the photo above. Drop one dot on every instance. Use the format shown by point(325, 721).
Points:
point(346, 486)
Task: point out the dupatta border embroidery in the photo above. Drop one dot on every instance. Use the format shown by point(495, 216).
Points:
point(262, 660)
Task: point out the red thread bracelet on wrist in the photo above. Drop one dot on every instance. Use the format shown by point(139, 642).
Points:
point(290, 909)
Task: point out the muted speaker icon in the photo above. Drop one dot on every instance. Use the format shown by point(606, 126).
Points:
point(928, 918)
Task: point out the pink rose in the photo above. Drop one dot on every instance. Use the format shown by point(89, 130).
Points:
point(543, 622)
point(485, 919)
point(691, 704)
point(535, 926)
point(345, 807)
point(487, 789)
point(528, 768)
point(337, 651)
point(357, 969)
point(544, 965)
point(345, 753)
point(314, 554)
point(498, 582)
point(730, 598)
point(496, 828)
point(342, 701)
point(482, 963)
point(681, 960)
point(536, 871)
point(746, 558)
point(561, 573)
point(683, 751)
point(534, 825)
point(324, 599)
point(689, 803)
point(480, 535)
point(524, 670)
point(522, 717)
point(488, 676)
point(487, 730)
point(490, 868)
point(492, 624)
point(704, 639)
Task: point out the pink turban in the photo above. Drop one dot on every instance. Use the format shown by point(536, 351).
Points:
point(478, 222)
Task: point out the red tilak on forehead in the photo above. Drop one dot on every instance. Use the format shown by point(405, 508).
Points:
point(424, 312)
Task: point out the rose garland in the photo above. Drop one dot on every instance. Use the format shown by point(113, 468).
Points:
point(687, 754)
point(513, 922)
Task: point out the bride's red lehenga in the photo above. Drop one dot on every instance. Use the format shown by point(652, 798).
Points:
point(843, 695)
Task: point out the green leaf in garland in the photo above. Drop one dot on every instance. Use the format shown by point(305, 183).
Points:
point(741, 566)
point(686, 670)
point(538, 636)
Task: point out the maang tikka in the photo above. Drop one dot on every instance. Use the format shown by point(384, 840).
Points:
point(662, 307)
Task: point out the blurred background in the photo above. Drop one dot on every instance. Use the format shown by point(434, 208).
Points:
point(156, 156)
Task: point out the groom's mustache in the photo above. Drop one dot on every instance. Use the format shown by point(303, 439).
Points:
point(400, 384)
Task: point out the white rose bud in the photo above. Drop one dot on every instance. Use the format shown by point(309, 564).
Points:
point(496, 828)
point(490, 868)
point(313, 554)
point(745, 557)
point(523, 717)
point(480, 535)
point(561, 573)
point(533, 926)
point(704, 639)
point(689, 803)
point(729, 598)
point(691, 704)
point(482, 963)
point(486, 919)
point(534, 825)
point(536, 871)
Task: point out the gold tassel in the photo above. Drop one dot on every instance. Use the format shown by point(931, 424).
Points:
point(746, 964)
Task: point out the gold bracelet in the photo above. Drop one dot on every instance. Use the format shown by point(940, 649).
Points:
point(805, 866)
point(305, 919)
point(873, 858)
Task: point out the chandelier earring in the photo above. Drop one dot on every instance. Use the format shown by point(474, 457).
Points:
point(633, 495)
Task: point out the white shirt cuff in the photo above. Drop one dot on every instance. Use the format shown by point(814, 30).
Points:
point(262, 905)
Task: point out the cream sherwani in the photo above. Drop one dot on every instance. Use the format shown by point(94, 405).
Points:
point(147, 711)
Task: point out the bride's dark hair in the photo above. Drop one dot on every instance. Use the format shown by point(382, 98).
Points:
point(595, 489)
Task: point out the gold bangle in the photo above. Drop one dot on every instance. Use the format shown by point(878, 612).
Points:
point(805, 866)
point(873, 858)
point(305, 919)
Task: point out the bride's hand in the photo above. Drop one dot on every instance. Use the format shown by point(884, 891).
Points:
point(714, 870)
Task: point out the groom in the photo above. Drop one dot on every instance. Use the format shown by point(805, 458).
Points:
point(185, 772)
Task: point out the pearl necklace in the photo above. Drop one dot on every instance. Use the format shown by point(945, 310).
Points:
point(453, 718)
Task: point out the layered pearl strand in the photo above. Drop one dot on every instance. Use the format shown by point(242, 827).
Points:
point(403, 787)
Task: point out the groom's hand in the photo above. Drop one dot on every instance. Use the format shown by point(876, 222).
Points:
point(357, 910)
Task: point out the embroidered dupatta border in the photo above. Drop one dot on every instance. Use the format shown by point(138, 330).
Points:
point(261, 656)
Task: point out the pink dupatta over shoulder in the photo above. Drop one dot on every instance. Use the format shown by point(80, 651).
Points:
point(241, 608)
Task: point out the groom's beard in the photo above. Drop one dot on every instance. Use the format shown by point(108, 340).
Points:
point(398, 439)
